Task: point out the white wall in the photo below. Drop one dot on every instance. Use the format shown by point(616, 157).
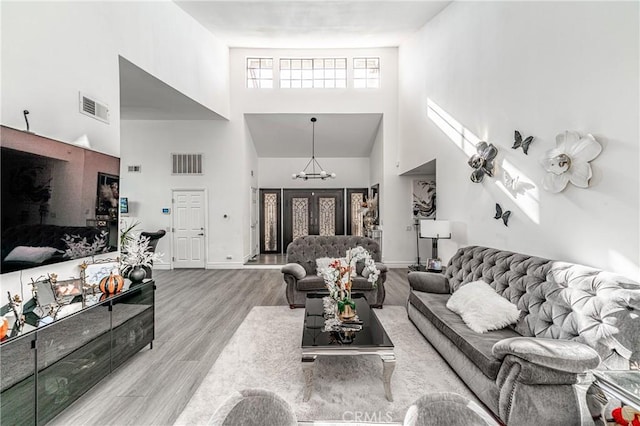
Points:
point(350, 173)
point(541, 68)
point(395, 202)
point(53, 50)
point(150, 144)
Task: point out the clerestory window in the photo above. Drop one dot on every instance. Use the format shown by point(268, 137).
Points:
point(366, 73)
point(260, 73)
point(308, 73)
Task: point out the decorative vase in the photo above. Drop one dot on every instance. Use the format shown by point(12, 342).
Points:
point(137, 274)
point(347, 313)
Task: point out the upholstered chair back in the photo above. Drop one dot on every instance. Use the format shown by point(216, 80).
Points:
point(305, 250)
point(560, 300)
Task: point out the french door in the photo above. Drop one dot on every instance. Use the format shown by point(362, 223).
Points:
point(355, 198)
point(270, 222)
point(312, 212)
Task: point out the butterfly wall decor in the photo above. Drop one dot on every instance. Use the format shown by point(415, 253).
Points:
point(519, 143)
point(502, 215)
point(510, 182)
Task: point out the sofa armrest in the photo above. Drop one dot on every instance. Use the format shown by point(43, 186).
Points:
point(294, 269)
point(381, 267)
point(429, 282)
point(556, 354)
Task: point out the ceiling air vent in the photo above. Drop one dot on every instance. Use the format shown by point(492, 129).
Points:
point(134, 169)
point(94, 108)
point(186, 164)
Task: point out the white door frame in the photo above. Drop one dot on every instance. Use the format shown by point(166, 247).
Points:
point(206, 221)
point(254, 221)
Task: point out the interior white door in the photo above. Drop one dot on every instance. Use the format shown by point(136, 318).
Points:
point(255, 236)
point(189, 218)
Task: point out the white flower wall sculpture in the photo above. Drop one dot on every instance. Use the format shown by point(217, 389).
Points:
point(569, 161)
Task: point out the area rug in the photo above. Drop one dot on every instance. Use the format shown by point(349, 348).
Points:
point(265, 353)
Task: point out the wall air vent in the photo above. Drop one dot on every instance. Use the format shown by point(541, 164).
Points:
point(94, 108)
point(134, 169)
point(186, 164)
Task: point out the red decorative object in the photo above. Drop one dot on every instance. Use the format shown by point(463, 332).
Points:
point(111, 284)
point(4, 328)
point(626, 416)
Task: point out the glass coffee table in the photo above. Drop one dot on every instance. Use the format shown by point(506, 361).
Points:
point(372, 339)
point(620, 384)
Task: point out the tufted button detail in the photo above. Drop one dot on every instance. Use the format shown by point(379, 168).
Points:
point(557, 299)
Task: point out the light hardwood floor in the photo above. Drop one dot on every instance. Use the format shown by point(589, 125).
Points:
point(197, 312)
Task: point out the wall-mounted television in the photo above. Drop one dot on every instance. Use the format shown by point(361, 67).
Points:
point(50, 197)
point(124, 205)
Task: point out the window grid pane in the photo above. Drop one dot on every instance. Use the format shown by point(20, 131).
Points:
point(313, 73)
point(366, 73)
point(260, 73)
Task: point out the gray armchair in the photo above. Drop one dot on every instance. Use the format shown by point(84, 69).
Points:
point(447, 408)
point(254, 407)
point(300, 275)
point(154, 237)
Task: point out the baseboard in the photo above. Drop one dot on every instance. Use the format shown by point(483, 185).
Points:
point(398, 263)
point(162, 266)
point(224, 265)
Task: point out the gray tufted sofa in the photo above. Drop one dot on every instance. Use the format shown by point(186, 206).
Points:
point(300, 273)
point(573, 319)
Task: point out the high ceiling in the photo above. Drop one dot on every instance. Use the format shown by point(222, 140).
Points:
point(144, 97)
point(312, 23)
point(336, 135)
point(285, 24)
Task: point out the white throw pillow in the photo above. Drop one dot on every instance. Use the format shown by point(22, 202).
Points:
point(31, 254)
point(481, 308)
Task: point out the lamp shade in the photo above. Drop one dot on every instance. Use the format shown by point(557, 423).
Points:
point(435, 228)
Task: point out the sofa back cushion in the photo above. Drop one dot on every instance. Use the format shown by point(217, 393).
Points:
point(559, 300)
point(305, 250)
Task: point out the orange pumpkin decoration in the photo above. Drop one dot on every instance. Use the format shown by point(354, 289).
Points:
point(111, 284)
point(4, 327)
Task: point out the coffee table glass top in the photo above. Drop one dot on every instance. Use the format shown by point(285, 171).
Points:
point(372, 335)
point(623, 384)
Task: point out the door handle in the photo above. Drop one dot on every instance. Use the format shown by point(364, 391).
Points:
point(201, 234)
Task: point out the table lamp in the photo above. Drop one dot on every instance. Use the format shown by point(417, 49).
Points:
point(436, 230)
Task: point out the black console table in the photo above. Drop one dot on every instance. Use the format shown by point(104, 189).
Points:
point(46, 368)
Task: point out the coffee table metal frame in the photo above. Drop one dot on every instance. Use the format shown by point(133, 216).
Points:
point(311, 353)
point(606, 380)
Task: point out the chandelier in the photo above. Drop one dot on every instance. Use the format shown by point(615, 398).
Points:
point(313, 174)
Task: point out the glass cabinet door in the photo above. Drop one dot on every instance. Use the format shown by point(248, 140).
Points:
point(17, 365)
point(133, 319)
point(73, 355)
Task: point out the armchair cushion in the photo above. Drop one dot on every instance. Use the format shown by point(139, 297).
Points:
point(429, 282)
point(294, 269)
point(311, 283)
point(558, 354)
